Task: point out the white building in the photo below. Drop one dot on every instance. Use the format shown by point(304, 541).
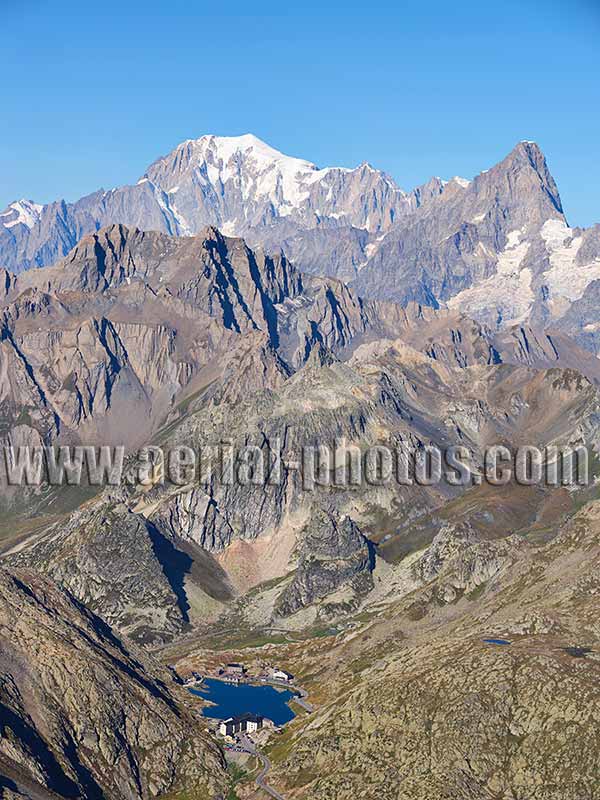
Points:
point(245, 723)
point(281, 675)
point(227, 727)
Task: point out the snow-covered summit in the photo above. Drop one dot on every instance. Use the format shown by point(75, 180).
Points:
point(246, 183)
point(227, 146)
point(21, 212)
point(225, 154)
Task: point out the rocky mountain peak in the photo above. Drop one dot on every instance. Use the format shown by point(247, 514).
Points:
point(215, 160)
point(526, 172)
point(21, 212)
point(424, 193)
point(497, 246)
point(334, 557)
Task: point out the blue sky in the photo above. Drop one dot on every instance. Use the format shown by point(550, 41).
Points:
point(90, 96)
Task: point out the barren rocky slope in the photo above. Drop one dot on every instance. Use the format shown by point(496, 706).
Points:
point(83, 714)
point(215, 338)
point(142, 320)
point(414, 703)
point(199, 545)
point(145, 338)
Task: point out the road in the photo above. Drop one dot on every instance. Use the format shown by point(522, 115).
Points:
point(300, 694)
point(301, 699)
point(266, 766)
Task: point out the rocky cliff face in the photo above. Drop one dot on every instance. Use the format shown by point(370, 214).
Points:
point(453, 242)
point(110, 560)
point(141, 337)
point(497, 247)
point(132, 319)
point(239, 184)
point(334, 556)
point(84, 715)
point(135, 320)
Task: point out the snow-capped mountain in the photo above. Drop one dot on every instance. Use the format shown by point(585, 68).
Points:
point(22, 212)
point(240, 184)
point(497, 247)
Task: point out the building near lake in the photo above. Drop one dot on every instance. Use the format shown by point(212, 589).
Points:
point(227, 727)
point(194, 678)
point(251, 722)
point(244, 723)
point(236, 670)
point(281, 675)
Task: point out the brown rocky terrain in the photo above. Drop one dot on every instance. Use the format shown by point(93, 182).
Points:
point(413, 702)
point(384, 593)
point(132, 319)
point(280, 362)
point(84, 714)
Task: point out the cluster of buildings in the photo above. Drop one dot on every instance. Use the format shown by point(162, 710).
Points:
point(233, 673)
point(192, 679)
point(236, 673)
point(248, 722)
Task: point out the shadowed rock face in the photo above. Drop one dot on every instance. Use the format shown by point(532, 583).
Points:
point(141, 320)
point(107, 558)
point(81, 713)
point(334, 555)
point(134, 320)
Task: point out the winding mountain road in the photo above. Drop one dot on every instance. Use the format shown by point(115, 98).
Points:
point(300, 694)
point(300, 697)
point(266, 766)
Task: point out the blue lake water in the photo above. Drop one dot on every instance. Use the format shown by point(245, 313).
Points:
point(231, 699)
point(496, 641)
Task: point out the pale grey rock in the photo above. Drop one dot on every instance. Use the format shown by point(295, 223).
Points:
point(333, 555)
point(106, 557)
point(238, 183)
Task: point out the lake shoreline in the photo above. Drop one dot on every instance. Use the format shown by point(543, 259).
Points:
point(227, 699)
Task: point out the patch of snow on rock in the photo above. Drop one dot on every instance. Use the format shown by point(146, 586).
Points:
point(228, 228)
point(566, 278)
point(28, 213)
point(507, 294)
